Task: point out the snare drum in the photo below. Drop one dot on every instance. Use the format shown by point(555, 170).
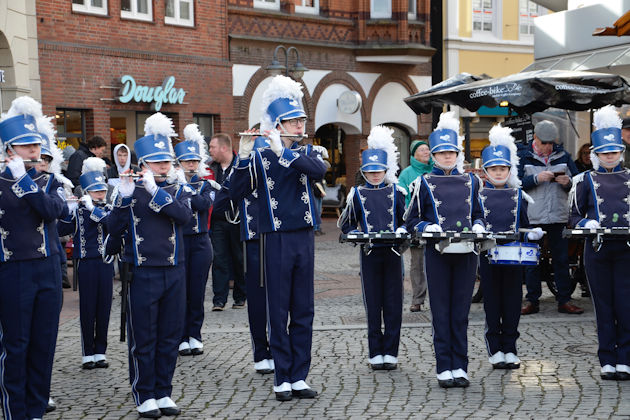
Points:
point(516, 253)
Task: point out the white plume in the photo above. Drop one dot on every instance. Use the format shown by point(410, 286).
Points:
point(46, 127)
point(450, 122)
point(381, 138)
point(192, 133)
point(606, 117)
point(501, 136)
point(280, 87)
point(24, 105)
point(159, 124)
point(93, 164)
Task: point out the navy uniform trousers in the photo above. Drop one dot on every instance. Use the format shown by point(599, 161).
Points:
point(256, 303)
point(451, 279)
point(607, 273)
point(95, 303)
point(30, 303)
point(289, 271)
point(155, 320)
point(198, 251)
point(502, 286)
point(381, 281)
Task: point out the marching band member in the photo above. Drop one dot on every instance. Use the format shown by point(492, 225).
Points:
point(87, 225)
point(505, 210)
point(30, 273)
point(154, 209)
point(448, 200)
point(255, 286)
point(280, 175)
point(379, 206)
point(600, 199)
point(191, 156)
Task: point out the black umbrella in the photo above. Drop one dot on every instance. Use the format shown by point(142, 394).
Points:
point(530, 92)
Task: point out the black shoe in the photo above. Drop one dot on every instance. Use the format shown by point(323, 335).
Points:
point(622, 376)
point(609, 376)
point(238, 305)
point(217, 308)
point(461, 382)
point(88, 365)
point(66, 285)
point(51, 406)
point(170, 411)
point(151, 414)
point(101, 364)
point(304, 393)
point(264, 371)
point(196, 351)
point(377, 366)
point(512, 365)
point(284, 396)
point(500, 365)
point(185, 352)
point(390, 366)
point(446, 383)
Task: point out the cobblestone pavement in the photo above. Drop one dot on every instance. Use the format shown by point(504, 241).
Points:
point(559, 377)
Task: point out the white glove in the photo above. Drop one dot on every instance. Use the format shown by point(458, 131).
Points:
point(87, 202)
point(401, 229)
point(592, 224)
point(245, 146)
point(149, 182)
point(477, 228)
point(321, 150)
point(16, 165)
point(126, 187)
point(72, 205)
point(181, 176)
point(535, 234)
point(433, 228)
point(275, 143)
point(214, 184)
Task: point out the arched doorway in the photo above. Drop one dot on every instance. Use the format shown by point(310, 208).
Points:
point(402, 142)
point(332, 137)
point(7, 74)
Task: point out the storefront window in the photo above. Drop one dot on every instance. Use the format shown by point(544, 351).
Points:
point(70, 127)
point(206, 124)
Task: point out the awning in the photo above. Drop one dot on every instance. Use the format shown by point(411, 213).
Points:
point(602, 59)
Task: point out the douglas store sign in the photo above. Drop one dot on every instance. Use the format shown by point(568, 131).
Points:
point(158, 95)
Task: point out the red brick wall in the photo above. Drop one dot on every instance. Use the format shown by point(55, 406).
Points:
point(82, 55)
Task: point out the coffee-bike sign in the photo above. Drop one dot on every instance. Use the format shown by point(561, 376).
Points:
point(157, 95)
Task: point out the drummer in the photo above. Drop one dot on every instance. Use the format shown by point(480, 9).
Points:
point(505, 210)
point(378, 206)
point(447, 199)
point(599, 199)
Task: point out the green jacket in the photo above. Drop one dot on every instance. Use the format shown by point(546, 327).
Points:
point(411, 172)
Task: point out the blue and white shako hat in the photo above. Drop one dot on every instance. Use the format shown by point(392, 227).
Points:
point(93, 175)
point(445, 137)
point(381, 154)
point(282, 100)
point(607, 136)
point(502, 152)
point(156, 146)
point(496, 155)
point(19, 125)
point(191, 147)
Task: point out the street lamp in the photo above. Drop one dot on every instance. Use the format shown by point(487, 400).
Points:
point(276, 68)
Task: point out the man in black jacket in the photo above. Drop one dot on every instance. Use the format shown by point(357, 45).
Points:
point(225, 230)
point(93, 147)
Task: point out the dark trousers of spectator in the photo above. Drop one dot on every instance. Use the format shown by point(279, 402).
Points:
point(559, 248)
point(228, 258)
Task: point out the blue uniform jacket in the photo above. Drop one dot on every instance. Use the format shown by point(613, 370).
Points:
point(451, 201)
point(28, 215)
point(155, 223)
point(88, 230)
point(374, 209)
point(504, 209)
point(283, 186)
point(200, 204)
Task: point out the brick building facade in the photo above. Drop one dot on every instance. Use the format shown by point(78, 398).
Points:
point(378, 50)
point(85, 51)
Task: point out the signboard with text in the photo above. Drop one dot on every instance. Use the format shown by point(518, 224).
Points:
point(167, 93)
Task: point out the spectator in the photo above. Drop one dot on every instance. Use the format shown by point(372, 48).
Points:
point(122, 163)
point(225, 234)
point(420, 163)
point(93, 147)
point(546, 169)
point(583, 161)
point(625, 136)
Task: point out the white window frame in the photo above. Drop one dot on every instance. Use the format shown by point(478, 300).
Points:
point(539, 10)
point(177, 20)
point(275, 5)
point(496, 22)
point(375, 15)
point(311, 10)
point(87, 7)
point(133, 14)
point(412, 14)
